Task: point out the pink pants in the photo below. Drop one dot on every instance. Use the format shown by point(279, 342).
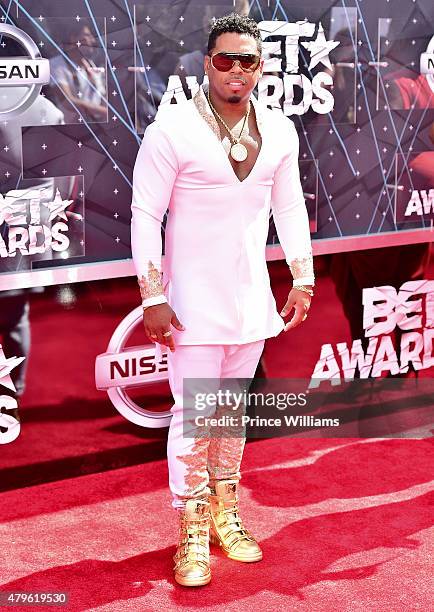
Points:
point(194, 461)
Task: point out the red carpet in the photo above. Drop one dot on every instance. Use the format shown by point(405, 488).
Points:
point(345, 525)
point(342, 525)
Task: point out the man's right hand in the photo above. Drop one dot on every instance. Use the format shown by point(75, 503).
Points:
point(158, 320)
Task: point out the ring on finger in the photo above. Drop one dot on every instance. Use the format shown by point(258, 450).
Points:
point(305, 317)
point(167, 334)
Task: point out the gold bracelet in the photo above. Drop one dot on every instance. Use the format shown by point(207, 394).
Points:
point(304, 288)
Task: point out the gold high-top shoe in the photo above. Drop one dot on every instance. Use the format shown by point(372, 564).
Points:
point(227, 529)
point(192, 566)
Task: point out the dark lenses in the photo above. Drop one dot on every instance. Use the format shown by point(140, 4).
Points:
point(224, 61)
point(249, 62)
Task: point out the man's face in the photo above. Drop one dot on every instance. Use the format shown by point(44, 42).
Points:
point(236, 85)
point(87, 40)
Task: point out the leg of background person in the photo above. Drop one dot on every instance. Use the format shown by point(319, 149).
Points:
point(349, 293)
point(374, 268)
point(188, 454)
point(15, 329)
point(345, 273)
point(413, 265)
point(377, 267)
point(226, 444)
point(353, 272)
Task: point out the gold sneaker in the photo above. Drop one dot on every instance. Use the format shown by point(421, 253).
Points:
point(192, 567)
point(227, 529)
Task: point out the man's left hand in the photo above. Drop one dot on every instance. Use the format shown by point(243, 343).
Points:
point(300, 301)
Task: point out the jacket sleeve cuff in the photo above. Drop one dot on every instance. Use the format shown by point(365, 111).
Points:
point(304, 280)
point(154, 300)
point(302, 270)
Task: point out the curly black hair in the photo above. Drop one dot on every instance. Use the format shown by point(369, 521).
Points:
point(241, 24)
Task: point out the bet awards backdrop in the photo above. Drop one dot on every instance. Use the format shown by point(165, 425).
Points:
point(80, 81)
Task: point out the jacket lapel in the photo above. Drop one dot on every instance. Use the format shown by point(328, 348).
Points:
point(201, 103)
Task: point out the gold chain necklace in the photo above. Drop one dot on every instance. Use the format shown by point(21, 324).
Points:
point(238, 151)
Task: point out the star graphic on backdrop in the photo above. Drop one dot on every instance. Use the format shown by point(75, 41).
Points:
point(6, 367)
point(57, 206)
point(320, 48)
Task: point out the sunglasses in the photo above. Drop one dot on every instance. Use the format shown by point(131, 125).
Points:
point(223, 62)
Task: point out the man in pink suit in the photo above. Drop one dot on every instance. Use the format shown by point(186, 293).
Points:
point(219, 163)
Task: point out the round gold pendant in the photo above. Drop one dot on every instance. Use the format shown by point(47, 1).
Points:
point(238, 152)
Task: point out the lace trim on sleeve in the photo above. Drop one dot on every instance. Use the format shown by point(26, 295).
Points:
point(302, 266)
point(153, 284)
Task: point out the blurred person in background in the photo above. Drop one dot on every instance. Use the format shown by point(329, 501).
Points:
point(82, 88)
point(14, 303)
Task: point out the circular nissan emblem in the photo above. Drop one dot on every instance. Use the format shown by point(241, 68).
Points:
point(30, 72)
point(121, 368)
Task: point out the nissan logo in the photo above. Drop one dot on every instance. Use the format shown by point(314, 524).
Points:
point(30, 72)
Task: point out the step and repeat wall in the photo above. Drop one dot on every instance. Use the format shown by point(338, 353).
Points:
point(357, 79)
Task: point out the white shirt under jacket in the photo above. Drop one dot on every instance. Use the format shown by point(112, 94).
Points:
point(214, 271)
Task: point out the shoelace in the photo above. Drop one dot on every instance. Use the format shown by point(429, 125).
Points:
point(236, 519)
point(196, 530)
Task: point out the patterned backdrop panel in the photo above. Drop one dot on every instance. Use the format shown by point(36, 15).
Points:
point(357, 79)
